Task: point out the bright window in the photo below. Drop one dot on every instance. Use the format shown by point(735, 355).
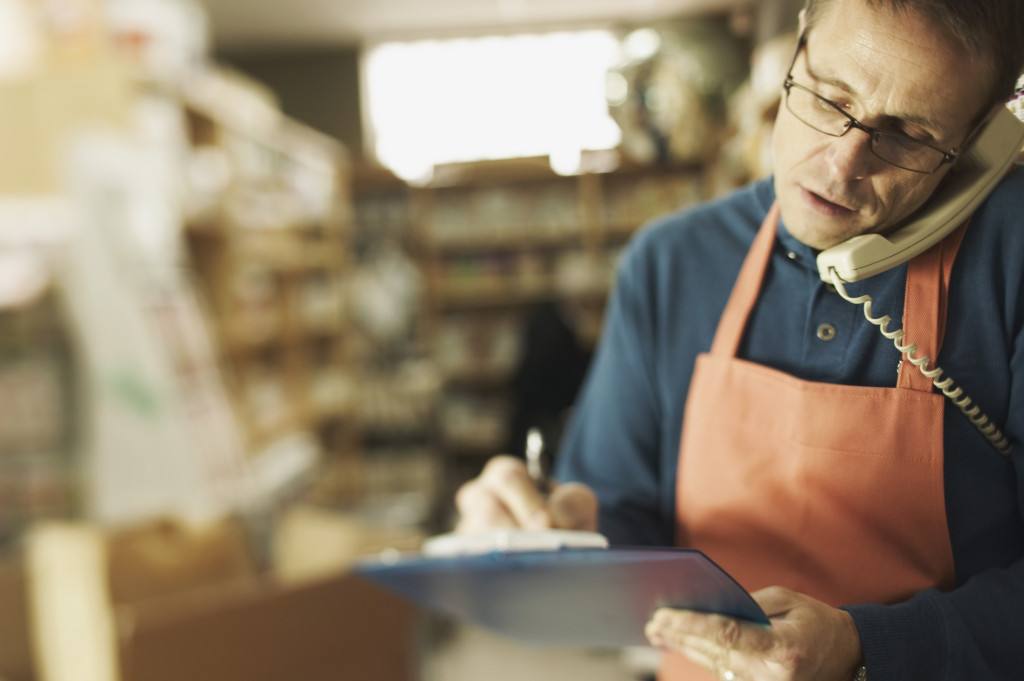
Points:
point(432, 102)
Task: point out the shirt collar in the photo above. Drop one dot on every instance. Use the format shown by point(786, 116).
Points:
point(798, 252)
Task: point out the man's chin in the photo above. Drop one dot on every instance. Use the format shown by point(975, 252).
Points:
point(821, 236)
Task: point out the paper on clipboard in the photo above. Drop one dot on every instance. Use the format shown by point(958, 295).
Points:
point(567, 597)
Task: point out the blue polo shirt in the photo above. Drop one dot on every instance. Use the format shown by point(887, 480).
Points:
point(672, 285)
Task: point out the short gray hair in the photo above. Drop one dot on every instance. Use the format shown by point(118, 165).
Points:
point(992, 29)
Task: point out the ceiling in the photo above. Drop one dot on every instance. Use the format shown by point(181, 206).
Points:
point(290, 22)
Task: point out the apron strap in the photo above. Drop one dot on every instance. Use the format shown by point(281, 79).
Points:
point(925, 303)
point(746, 289)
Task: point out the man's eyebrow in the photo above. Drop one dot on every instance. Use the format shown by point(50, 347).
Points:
point(835, 81)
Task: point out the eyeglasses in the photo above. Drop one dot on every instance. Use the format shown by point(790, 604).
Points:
point(827, 117)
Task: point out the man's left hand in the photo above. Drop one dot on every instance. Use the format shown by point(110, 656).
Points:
point(808, 640)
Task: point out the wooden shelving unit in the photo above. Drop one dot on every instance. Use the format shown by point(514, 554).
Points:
point(497, 238)
point(271, 257)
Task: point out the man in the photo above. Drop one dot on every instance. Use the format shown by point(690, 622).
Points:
point(878, 528)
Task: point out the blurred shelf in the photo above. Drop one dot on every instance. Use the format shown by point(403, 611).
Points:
point(624, 168)
point(558, 239)
point(216, 225)
point(338, 411)
point(241, 344)
point(289, 260)
point(623, 230)
point(471, 449)
point(498, 237)
point(495, 173)
point(489, 294)
point(384, 435)
point(371, 178)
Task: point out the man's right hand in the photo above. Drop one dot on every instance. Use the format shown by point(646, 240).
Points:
point(504, 496)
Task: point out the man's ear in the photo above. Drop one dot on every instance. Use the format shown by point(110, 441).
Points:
point(802, 21)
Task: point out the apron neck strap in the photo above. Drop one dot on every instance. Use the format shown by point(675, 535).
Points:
point(746, 289)
point(925, 302)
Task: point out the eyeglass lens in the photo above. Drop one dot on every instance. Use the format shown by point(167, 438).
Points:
point(899, 150)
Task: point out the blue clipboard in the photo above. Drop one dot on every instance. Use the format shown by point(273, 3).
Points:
point(568, 597)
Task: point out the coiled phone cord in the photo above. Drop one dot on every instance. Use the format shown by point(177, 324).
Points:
point(948, 387)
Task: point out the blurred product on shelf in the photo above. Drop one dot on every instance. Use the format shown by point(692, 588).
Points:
point(165, 40)
point(400, 400)
point(1017, 107)
point(476, 349)
point(512, 213)
point(386, 293)
point(631, 202)
point(163, 436)
point(668, 94)
point(473, 425)
point(403, 488)
point(745, 155)
point(37, 457)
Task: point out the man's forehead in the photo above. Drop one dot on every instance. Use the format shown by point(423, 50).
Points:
point(928, 77)
point(831, 72)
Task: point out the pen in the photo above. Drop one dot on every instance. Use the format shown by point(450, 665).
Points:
point(535, 460)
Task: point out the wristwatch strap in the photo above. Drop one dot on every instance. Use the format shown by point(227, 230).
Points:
point(861, 674)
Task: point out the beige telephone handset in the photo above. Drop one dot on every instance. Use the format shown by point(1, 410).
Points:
point(978, 171)
point(976, 174)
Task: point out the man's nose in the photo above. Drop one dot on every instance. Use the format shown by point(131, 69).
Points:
point(850, 157)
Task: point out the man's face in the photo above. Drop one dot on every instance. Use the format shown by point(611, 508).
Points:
point(892, 72)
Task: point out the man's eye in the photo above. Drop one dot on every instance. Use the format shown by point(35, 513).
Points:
point(838, 100)
point(914, 135)
point(827, 104)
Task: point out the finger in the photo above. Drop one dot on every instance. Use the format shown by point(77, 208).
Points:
point(709, 662)
point(507, 479)
point(776, 600)
point(479, 509)
point(725, 632)
point(698, 650)
point(573, 506)
point(679, 642)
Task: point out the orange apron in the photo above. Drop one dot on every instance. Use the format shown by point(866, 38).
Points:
point(834, 491)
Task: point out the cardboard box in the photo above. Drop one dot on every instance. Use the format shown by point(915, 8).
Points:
point(15, 653)
point(336, 629)
point(163, 602)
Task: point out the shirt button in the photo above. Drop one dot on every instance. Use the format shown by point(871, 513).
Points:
point(791, 255)
point(826, 332)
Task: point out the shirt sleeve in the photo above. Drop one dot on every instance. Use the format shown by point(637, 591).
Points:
point(971, 632)
point(612, 440)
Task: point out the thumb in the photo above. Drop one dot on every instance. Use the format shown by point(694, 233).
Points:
point(573, 506)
